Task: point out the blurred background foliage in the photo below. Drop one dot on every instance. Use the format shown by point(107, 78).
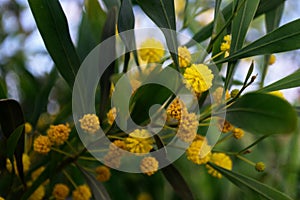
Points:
point(27, 75)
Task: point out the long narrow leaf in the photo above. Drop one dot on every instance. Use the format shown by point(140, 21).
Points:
point(11, 117)
point(246, 183)
point(290, 81)
point(285, 38)
point(99, 191)
point(56, 36)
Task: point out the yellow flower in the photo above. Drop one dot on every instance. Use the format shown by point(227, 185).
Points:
point(149, 165)
point(42, 144)
point(198, 77)
point(188, 127)
point(218, 94)
point(225, 126)
point(28, 128)
point(144, 196)
point(58, 134)
point(26, 164)
point(151, 50)
point(225, 46)
point(199, 151)
point(90, 123)
point(103, 173)
point(175, 109)
point(272, 59)
point(184, 57)
point(221, 160)
point(260, 166)
point(38, 194)
point(60, 191)
point(113, 157)
point(238, 133)
point(82, 192)
point(277, 93)
point(1, 198)
point(139, 141)
point(111, 115)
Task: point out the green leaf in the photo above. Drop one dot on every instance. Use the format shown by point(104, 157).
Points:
point(249, 184)
point(12, 141)
point(111, 4)
point(90, 29)
point(241, 23)
point(261, 113)
point(3, 89)
point(290, 81)
point(52, 24)
point(11, 117)
point(108, 31)
point(162, 13)
point(126, 22)
point(173, 176)
point(99, 191)
point(263, 7)
point(285, 38)
point(272, 19)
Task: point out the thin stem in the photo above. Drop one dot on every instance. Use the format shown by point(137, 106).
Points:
point(245, 160)
point(71, 147)
point(69, 178)
point(224, 139)
point(61, 152)
point(253, 144)
point(87, 158)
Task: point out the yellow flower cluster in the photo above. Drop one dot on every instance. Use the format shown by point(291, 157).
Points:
point(175, 109)
point(221, 160)
point(199, 151)
point(151, 50)
point(188, 127)
point(225, 126)
point(149, 165)
point(103, 173)
point(58, 134)
point(1, 198)
point(90, 123)
point(28, 128)
point(184, 56)
point(26, 164)
point(42, 144)
point(111, 115)
point(60, 191)
point(113, 157)
point(225, 46)
point(139, 141)
point(260, 166)
point(238, 133)
point(198, 77)
point(218, 95)
point(82, 192)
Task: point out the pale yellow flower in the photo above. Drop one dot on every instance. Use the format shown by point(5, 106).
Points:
point(184, 57)
point(139, 141)
point(90, 123)
point(198, 77)
point(199, 151)
point(151, 50)
point(149, 165)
